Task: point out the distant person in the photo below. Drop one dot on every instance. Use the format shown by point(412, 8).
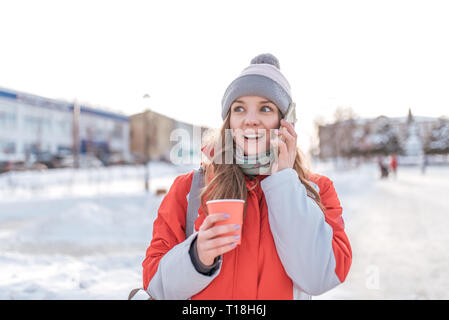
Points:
point(394, 164)
point(424, 164)
point(383, 168)
point(293, 243)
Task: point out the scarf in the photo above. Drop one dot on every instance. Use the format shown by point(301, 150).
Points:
point(252, 165)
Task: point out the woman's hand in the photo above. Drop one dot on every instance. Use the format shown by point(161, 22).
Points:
point(209, 244)
point(287, 149)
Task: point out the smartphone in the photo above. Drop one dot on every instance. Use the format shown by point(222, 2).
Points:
point(290, 116)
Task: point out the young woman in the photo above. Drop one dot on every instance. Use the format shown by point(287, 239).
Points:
point(293, 243)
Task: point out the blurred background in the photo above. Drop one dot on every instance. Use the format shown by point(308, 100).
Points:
point(94, 96)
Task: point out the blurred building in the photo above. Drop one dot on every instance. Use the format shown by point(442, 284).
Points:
point(378, 136)
point(32, 125)
point(149, 135)
point(154, 136)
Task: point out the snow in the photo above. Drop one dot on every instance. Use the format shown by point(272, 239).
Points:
point(398, 233)
point(77, 235)
point(67, 234)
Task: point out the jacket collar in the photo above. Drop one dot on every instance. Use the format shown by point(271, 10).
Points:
point(253, 181)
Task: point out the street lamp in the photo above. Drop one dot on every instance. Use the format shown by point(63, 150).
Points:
point(146, 147)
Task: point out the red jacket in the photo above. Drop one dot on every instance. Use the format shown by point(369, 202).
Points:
point(289, 248)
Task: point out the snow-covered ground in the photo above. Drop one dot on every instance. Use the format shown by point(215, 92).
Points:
point(398, 229)
point(83, 235)
point(77, 235)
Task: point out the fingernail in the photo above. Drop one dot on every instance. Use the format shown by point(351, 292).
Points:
point(237, 226)
point(227, 216)
point(237, 236)
point(233, 244)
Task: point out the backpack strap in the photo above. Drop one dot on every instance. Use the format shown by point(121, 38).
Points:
point(194, 200)
point(134, 291)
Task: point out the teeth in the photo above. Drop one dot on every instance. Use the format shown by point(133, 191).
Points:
point(253, 136)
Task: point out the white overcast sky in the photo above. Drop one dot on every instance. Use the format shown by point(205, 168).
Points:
point(377, 57)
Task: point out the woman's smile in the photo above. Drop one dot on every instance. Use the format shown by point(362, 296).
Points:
point(250, 141)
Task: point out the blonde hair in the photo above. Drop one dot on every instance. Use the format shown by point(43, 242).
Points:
point(227, 181)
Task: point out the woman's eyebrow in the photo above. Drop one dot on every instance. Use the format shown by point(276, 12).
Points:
point(260, 102)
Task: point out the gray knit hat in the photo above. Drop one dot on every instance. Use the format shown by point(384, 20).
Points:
point(262, 77)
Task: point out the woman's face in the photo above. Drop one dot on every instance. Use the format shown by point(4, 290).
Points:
point(251, 119)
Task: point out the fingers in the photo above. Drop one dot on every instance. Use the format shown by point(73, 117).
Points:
point(288, 132)
point(217, 231)
point(213, 240)
point(211, 219)
point(290, 127)
point(281, 145)
point(220, 242)
point(284, 147)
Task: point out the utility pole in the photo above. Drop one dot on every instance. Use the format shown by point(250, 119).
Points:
point(76, 131)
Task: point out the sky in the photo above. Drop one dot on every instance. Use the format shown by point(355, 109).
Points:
point(376, 57)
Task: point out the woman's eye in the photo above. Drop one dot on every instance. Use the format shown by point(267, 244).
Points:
point(264, 109)
point(267, 108)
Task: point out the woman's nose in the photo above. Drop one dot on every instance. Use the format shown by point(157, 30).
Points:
point(252, 121)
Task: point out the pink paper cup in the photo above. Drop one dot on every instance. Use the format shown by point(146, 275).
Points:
point(233, 207)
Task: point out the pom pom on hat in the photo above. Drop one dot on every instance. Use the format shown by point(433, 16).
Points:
point(267, 58)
